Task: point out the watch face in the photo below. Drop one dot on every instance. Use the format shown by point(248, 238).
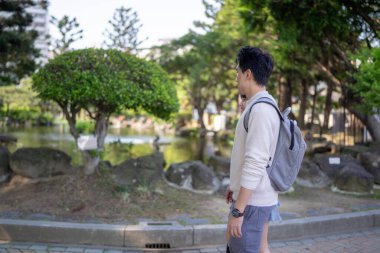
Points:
point(236, 213)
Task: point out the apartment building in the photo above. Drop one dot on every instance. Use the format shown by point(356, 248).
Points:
point(41, 25)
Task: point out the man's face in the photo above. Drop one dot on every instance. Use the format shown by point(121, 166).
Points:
point(240, 79)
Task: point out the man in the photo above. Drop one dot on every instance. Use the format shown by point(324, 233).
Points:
point(252, 193)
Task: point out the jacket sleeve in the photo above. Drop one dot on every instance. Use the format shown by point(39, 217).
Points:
point(260, 137)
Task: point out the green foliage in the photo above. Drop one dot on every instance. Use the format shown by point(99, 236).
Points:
point(69, 31)
point(18, 53)
point(107, 80)
point(204, 65)
point(19, 103)
point(123, 34)
point(313, 42)
point(125, 149)
point(18, 97)
point(367, 85)
point(85, 127)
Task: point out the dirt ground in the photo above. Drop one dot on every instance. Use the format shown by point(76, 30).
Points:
point(95, 198)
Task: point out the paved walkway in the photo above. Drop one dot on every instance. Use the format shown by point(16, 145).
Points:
point(367, 241)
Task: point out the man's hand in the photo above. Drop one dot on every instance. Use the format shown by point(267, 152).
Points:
point(227, 236)
point(228, 195)
point(234, 226)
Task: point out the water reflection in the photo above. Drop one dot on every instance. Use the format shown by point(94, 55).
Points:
point(117, 149)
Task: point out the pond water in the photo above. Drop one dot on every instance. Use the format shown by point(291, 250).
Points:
point(117, 148)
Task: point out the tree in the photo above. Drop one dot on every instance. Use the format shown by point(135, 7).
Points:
point(17, 50)
point(69, 33)
point(367, 85)
point(329, 30)
point(103, 82)
point(207, 64)
point(204, 64)
point(123, 34)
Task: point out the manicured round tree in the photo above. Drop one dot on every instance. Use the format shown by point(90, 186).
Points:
point(103, 82)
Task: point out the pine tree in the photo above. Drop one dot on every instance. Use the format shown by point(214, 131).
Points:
point(123, 34)
point(17, 50)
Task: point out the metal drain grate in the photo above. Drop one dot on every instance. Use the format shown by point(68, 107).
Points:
point(157, 245)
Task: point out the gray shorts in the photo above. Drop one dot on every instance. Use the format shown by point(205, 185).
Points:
point(252, 228)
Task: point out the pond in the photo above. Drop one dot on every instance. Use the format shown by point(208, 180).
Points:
point(118, 148)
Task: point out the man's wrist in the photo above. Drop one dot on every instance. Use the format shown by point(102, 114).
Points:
point(237, 213)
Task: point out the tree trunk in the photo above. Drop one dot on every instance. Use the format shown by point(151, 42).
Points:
point(201, 148)
point(92, 158)
point(373, 126)
point(285, 93)
point(303, 104)
point(91, 161)
point(371, 122)
point(101, 128)
point(328, 106)
point(314, 105)
point(201, 121)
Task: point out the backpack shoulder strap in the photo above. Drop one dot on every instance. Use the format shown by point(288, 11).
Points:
point(261, 100)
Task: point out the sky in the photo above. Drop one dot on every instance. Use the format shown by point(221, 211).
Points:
point(161, 19)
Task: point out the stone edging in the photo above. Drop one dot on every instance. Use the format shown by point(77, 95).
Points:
point(174, 234)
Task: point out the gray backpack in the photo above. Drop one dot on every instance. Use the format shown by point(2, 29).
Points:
point(289, 152)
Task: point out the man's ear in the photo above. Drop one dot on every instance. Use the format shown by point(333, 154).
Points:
point(248, 74)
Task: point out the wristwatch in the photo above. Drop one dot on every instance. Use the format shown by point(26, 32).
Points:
point(236, 213)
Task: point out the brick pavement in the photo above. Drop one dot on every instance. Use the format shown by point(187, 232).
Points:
point(367, 241)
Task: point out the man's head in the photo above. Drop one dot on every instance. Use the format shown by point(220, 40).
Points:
point(253, 64)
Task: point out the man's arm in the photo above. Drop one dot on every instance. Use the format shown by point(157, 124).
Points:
point(234, 224)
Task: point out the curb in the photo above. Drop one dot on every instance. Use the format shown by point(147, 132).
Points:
point(174, 235)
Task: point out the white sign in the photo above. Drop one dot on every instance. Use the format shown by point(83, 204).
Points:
point(334, 160)
point(87, 142)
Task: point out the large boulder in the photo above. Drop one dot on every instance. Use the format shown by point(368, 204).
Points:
point(7, 139)
point(317, 145)
point(194, 176)
point(221, 165)
point(332, 164)
point(4, 164)
point(145, 170)
point(310, 175)
point(354, 150)
point(371, 162)
point(40, 162)
point(374, 147)
point(354, 178)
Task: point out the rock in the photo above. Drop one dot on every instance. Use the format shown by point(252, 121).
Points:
point(316, 146)
point(354, 150)
point(221, 165)
point(193, 175)
point(310, 175)
point(322, 149)
point(4, 164)
point(332, 164)
point(224, 183)
point(371, 162)
point(7, 139)
point(40, 162)
point(354, 178)
point(374, 147)
point(145, 170)
point(185, 132)
point(105, 165)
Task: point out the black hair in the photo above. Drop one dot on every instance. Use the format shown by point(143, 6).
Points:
point(260, 63)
